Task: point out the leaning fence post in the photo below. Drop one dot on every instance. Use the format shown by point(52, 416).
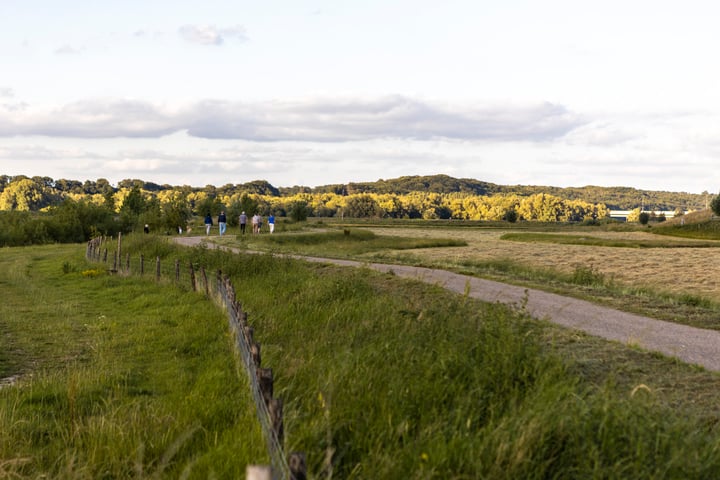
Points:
point(298, 466)
point(275, 409)
point(127, 263)
point(255, 353)
point(265, 382)
point(177, 271)
point(105, 256)
point(157, 268)
point(248, 332)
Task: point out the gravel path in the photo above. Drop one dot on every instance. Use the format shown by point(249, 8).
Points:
point(689, 344)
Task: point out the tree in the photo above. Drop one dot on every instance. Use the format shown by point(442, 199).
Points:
point(26, 194)
point(299, 211)
point(175, 214)
point(362, 206)
point(510, 216)
point(248, 204)
point(715, 205)
point(134, 203)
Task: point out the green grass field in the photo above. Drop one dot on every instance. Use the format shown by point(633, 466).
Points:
point(381, 377)
point(116, 377)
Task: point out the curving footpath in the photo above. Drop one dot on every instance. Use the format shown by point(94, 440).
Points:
point(689, 344)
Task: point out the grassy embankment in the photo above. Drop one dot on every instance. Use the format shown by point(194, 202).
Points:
point(115, 377)
point(389, 378)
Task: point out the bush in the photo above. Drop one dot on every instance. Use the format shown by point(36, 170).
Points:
point(299, 211)
point(715, 205)
point(511, 216)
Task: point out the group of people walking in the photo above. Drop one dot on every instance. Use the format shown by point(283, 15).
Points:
point(256, 222)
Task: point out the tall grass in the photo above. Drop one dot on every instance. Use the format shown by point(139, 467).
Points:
point(335, 242)
point(391, 378)
point(119, 377)
point(386, 378)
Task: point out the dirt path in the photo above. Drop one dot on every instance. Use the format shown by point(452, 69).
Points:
point(689, 344)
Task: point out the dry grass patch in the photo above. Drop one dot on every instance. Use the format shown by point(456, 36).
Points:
point(676, 270)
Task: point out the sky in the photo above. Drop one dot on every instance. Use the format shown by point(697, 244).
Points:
point(315, 92)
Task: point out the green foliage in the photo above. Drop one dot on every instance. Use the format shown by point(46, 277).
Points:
point(644, 218)
point(344, 243)
point(69, 222)
point(27, 195)
point(511, 216)
point(587, 275)
point(362, 206)
point(715, 205)
point(248, 204)
point(211, 205)
point(388, 379)
point(134, 203)
point(175, 214)
point(117, 377)
point(298, 211)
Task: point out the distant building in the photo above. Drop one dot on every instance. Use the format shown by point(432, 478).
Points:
point(622, 215)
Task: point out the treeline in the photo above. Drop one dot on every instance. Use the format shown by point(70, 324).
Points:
point(41, 210)
point(35, 193)
point(615, 198)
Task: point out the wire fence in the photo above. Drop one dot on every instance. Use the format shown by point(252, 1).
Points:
point(269, 408)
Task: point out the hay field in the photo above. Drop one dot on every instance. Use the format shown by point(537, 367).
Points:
point(681, 270)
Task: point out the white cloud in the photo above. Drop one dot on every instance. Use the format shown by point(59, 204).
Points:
point(319, 120)
point(68, 50)
point(210, 34)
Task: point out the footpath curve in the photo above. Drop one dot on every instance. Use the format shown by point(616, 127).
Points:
point(689, 344)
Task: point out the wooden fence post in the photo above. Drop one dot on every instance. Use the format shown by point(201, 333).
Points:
point(265, 382)
point(115, 263)
point(204, 276)
point(157, 268)
point(275, 409)
point(177, 271)
point(255, 353)
point(127, 263)
point(193, 284)
point(142, 264)
point(105, 256)
point(119, 249)
point(298, 466)
point(248, 332)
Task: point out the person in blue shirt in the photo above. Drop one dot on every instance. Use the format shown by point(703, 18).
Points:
point(208, 223)
point(271, 223)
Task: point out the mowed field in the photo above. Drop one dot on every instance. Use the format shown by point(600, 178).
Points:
point(680, 270)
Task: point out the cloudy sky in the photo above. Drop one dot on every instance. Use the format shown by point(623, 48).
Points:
point(313, 92)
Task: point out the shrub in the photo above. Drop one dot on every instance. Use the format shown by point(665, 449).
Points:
point(587, 275)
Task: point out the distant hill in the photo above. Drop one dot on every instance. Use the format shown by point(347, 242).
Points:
point(404, 185)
